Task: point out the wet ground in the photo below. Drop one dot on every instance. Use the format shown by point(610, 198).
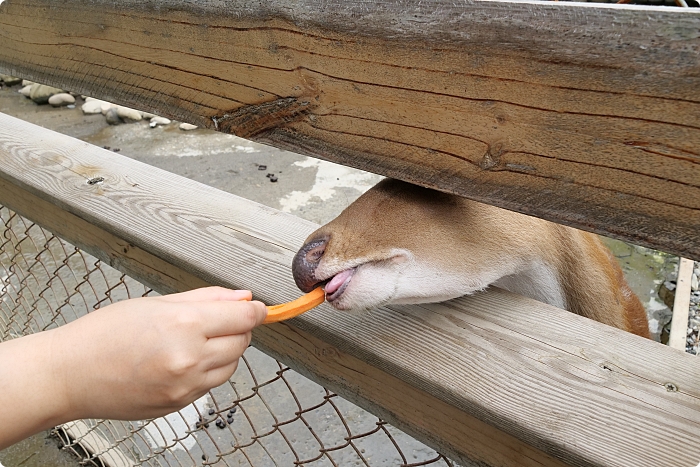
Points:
point(309, 188)
point(645, 271)
point(39, 450)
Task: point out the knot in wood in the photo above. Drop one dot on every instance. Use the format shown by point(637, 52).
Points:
point(95, 180)
point(492, 158)
point(251, 120)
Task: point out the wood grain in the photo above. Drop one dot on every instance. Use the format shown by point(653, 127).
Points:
point(579, 114)
point(417, 412)
point(494, 379)
point(111, 249)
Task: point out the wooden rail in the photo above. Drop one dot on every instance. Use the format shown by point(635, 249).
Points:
point(585, 115)
point(495, 379)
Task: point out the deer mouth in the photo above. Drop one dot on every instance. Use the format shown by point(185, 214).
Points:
point(336, 286)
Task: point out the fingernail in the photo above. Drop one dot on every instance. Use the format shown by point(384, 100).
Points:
point(242, 295)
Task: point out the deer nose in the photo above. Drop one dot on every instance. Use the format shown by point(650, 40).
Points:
point(305, 263)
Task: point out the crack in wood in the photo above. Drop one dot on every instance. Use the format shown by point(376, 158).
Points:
point(251, 120)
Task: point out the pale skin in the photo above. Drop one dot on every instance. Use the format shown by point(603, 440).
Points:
point(132, 360)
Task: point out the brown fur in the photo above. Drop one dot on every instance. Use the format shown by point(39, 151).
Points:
point(465, 239)
point(594, 283)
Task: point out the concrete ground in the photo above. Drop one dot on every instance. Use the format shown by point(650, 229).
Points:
point(309, 188)
point(39, 450)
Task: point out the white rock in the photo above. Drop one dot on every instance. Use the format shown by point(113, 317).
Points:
point(694, 282)
point(92, 107)
point(26, 82)
point(187, 126)
point(106, 106)
point(147, 115)
point(128, 114)
point(26, 91)
point(61, 99)
point(155, 121)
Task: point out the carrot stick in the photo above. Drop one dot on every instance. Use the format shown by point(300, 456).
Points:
point(296, 307)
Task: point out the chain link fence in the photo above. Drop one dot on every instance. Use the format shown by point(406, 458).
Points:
point(265, 415)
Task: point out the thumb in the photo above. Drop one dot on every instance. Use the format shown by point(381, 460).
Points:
point(261, 311)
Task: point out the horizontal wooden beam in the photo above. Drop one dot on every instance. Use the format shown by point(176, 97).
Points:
point(579, 114)
point(494, 379)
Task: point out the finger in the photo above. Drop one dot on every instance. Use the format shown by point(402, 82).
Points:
point(223, 350)
point(209, 294)
point(219, 376)
point(226, 318)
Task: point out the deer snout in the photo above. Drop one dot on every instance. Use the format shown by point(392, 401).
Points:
point(305, 262)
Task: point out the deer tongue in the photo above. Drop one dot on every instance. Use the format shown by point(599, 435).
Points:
point(337, 282)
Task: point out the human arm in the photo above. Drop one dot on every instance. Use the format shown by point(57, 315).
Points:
point(132, 360)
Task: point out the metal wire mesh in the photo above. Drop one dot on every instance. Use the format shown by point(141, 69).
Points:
point(265, 415)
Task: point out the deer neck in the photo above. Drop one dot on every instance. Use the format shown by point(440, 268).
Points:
point(538, 280)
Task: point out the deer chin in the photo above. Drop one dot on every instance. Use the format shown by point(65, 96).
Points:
point(364, 287)
point(360, 287)
point(395, 281)
point(399, 279)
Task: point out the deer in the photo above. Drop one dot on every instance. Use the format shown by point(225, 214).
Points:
point(400, 243)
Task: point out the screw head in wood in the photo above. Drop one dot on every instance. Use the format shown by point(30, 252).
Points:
point(670, 387)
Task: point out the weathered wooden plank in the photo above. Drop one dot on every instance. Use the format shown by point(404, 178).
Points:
point(417, 412)
point(111, 249)
point(493, 378)
point(582, 115)
point(681, 305)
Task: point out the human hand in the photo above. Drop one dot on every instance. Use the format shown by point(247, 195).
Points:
point(147, 357)
point(136, 359)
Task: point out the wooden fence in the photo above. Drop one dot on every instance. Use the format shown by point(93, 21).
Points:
point(587, 116)
point(584, 115)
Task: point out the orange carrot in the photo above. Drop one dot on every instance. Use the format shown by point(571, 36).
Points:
point(296, 307)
